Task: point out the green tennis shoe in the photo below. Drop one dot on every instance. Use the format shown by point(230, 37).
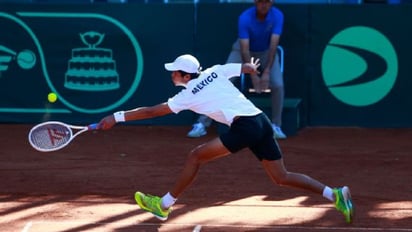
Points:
point(343, 203)
point(152, 204)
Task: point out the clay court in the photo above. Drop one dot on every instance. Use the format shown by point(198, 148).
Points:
point(89, 185)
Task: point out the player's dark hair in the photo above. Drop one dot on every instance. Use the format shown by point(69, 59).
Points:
point(192, 75)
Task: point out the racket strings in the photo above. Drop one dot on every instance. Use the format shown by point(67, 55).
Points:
point(50, 136)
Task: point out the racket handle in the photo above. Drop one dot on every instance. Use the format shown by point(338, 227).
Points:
point(93, 126)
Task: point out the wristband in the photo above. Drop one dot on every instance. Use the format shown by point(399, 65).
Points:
point(119, 116)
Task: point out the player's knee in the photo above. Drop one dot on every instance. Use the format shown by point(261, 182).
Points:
point(191, 158)
point(194, 158)
point(280, 180)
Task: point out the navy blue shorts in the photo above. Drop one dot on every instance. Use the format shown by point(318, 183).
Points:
point(254, 132)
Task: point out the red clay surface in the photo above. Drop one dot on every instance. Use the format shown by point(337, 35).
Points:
point(89, 185)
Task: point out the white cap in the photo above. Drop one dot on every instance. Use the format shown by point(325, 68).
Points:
point(186, 63)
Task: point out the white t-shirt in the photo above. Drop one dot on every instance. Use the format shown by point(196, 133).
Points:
point(214, 95)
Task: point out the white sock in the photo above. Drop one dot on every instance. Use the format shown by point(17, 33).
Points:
point(328, 193)
point(167, 201)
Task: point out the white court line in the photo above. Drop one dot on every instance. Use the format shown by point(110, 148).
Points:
point(27, 227)
point(197, 226)
point(328, 228)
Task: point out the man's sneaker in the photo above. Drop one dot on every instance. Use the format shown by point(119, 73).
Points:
point(197, 131)
point(151, 204)
point(278, 132)
point(343, 203)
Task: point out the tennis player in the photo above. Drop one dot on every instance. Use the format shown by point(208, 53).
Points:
point(203, 93)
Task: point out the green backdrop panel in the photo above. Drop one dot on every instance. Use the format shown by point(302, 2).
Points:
point(348, 63)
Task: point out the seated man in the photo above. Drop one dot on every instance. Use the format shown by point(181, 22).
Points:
point(259, 33)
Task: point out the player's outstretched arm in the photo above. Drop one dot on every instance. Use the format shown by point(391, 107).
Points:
point(134, 114)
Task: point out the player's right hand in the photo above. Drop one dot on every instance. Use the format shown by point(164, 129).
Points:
point(107, 122)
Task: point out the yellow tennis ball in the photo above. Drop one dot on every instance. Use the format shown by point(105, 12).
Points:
point(52, 97)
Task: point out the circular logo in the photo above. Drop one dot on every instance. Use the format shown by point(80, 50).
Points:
point(359, 66)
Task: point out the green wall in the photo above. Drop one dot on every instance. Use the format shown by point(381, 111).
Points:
point(348, 63)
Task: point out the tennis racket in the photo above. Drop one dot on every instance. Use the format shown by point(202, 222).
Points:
point(54, 135)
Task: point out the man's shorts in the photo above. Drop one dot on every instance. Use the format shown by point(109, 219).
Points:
point(254, 132)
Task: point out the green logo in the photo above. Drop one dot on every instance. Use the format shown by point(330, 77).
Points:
point(359, 66)
point(91, 68)
point(26, 59)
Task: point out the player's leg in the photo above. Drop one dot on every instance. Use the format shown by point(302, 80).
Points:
point(269, 153)
point(161, 207)
point(341, 197)
point(200, 155)
point(267, 150)
point(278, 173)
point(243, 132)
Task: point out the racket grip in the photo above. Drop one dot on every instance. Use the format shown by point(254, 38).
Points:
point(93, 126)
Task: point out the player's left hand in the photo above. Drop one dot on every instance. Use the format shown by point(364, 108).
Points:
point(255, 63)
point(252, 67)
